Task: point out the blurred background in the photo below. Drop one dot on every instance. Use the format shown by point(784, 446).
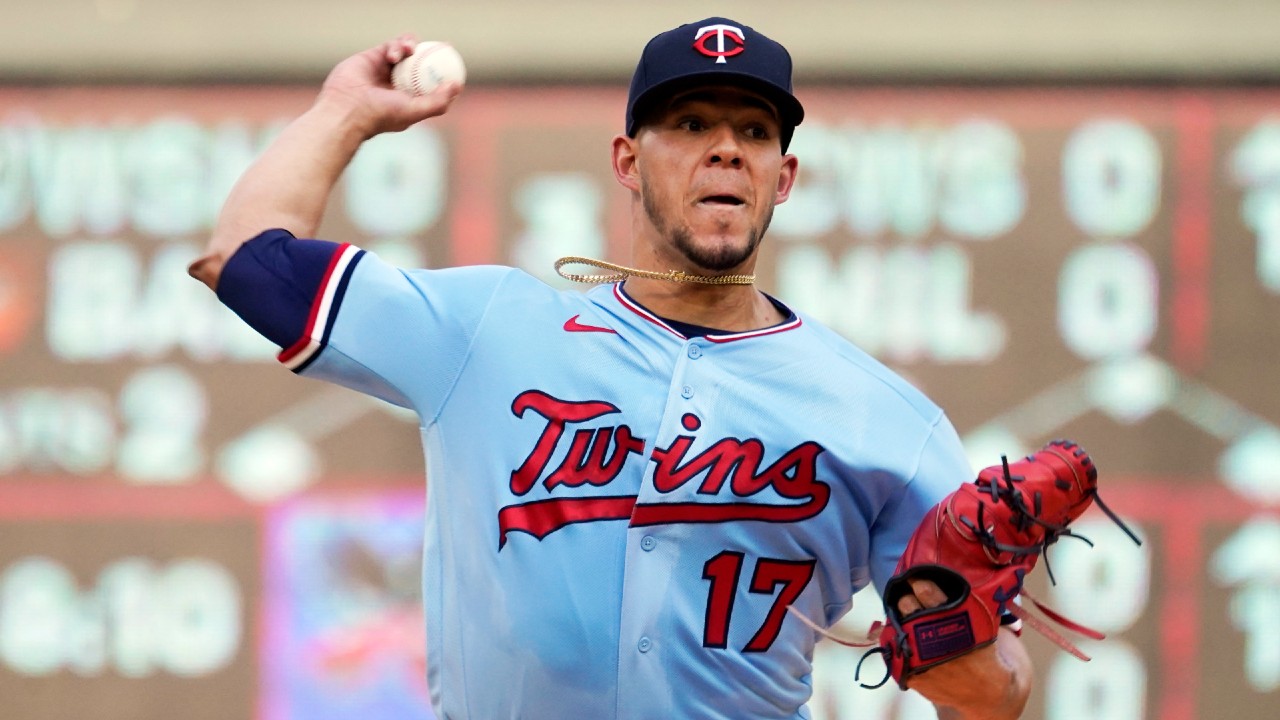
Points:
point(1056, 217)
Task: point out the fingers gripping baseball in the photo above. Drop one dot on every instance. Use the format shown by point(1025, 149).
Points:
point(360, 86)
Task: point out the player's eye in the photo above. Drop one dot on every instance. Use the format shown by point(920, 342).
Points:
point(757, 132)
point(693, 125)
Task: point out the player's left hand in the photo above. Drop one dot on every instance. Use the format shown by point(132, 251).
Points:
point(1000, 670)
point(360, 88)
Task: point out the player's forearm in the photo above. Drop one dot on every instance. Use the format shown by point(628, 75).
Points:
point(991, 684)
point(287, 187)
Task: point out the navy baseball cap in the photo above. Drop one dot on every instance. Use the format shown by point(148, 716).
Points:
point(716, 51)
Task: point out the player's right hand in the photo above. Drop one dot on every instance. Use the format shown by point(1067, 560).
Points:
point(360, 88)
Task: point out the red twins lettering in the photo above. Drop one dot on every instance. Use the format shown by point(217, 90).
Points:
point(596, 456)
point(578, 468)
point(793, 475)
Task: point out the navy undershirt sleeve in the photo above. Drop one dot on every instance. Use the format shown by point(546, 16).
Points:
point(272, 280)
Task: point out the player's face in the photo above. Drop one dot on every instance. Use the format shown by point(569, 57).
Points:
point(710, 171)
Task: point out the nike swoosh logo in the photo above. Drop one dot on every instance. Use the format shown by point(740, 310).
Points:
point(572, 325)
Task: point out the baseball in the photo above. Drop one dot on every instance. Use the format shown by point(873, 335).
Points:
point(431, 64)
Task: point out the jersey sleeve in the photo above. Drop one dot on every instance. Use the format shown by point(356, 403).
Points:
point(343, 315)
point(943, 467)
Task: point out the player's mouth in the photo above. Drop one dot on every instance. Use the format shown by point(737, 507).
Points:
point(721, 201)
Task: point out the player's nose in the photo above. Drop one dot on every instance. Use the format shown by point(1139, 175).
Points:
point(725, 148)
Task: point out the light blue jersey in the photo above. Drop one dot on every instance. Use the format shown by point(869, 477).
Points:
point(618, 516)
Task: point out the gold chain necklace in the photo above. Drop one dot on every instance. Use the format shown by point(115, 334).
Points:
point(621, 272)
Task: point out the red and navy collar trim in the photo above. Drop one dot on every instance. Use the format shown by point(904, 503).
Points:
point(790, 324)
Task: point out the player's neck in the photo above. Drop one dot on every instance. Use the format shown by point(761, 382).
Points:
point(732, 308)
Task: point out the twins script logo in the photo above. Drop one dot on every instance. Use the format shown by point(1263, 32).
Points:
point(595, 456)
point(719, 32)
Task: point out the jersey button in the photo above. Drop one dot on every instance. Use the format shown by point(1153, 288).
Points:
point(686, 392)
point(647, 543)
point(695, 352)
point(644, 645)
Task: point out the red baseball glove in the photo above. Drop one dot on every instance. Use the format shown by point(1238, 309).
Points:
point(978, 545)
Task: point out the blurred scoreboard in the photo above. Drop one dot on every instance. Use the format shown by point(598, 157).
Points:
point(184, 526)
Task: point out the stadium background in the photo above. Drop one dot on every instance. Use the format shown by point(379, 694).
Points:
point(1059, 218)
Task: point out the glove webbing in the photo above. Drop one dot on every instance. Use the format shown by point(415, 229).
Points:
point(1024, 516)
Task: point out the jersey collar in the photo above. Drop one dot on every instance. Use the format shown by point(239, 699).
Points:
point(791, 323)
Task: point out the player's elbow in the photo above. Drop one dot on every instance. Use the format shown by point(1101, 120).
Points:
point(207, 269)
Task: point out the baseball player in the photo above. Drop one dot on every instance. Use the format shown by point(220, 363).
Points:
point(629, 486)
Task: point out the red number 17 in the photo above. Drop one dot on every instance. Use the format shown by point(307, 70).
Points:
point(723, 571)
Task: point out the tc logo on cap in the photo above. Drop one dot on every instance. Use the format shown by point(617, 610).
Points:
point(719, 32)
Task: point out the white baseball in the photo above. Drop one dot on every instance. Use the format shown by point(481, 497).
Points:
point(431, 64)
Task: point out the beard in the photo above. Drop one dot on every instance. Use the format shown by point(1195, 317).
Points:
point(712, 259)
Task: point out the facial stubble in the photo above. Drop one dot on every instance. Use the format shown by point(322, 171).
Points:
point(712, 259)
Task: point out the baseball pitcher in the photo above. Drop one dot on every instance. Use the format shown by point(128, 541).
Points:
point(639, 494)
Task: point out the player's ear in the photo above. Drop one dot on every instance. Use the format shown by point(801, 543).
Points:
point(786, 178)
point(625, 167)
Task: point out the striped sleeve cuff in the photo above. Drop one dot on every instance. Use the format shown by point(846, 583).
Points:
point(324, 309)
